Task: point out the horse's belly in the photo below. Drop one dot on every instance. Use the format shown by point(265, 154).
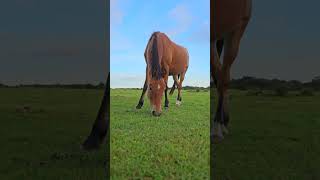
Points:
point(177, 69)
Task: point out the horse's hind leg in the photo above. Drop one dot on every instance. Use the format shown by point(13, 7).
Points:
point(179, 82)
point(216, 131)
point(174, 85)
point(173, 88)
point(219, 46)
point(141, 100)
point(232, 43)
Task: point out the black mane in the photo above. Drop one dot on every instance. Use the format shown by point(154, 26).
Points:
point(155, 61)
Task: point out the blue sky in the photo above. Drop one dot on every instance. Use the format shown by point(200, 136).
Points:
point(48, 42)
point(45, 41)
point(133, 21)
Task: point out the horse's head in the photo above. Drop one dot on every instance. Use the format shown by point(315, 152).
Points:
point(155, 92)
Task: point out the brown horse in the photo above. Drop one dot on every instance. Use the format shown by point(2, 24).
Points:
point(163, 58)
point(101, 124)
point(229, 19)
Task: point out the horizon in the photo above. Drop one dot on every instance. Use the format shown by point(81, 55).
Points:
point(99, 82)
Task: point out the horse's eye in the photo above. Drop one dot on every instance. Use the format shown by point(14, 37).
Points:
point(150, 88)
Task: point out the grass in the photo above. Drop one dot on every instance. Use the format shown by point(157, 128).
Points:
point(271, 138)
point(173, 146)
point(43, 143)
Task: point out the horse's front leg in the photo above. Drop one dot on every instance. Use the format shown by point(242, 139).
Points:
point(166, 102)
point(145, 87)
point(101, 125)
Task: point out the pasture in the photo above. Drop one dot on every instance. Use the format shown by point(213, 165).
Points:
point(175, 145)
point(43, 140)
point(271, 137)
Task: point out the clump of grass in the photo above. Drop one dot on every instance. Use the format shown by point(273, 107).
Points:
point(24, 108)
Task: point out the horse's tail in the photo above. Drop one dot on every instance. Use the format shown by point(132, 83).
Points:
point(155, 57)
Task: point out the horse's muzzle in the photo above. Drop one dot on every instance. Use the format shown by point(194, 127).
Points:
point(156, 113)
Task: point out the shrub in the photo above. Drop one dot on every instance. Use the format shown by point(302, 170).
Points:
point(306, 92)
point(281, 91)
point(254, 92)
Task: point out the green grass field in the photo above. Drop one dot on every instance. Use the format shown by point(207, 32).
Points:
point(271, 137)
point(174, 146)
point(44, 142)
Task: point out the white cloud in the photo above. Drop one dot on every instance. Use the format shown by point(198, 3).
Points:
point(183, 18)
point(201, 33)
point(116, 14)
point(119, 41)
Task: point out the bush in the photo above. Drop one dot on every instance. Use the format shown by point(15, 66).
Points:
point(255, 92)
point(306, 92)
point(281, 91)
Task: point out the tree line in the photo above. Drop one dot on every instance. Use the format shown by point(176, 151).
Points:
point(244, 83)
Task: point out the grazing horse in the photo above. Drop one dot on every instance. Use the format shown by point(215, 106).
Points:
point(101, 124)
point(163, 58)
point(229, 19)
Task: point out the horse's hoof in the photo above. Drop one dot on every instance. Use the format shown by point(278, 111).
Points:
point(90, 144)
point(225, 130)
point(217, 138)
point(217, 133)
point(178, 103)
point(139, 106)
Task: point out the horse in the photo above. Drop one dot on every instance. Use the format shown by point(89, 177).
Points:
point(101, 124)
point(229, 19)
point(163, 58)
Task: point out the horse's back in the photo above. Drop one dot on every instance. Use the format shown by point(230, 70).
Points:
point(180, 59)
point(172, 55)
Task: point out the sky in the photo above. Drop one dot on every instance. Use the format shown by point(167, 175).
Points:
point(282, 41)
point(46, 41)
point(132, 22)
